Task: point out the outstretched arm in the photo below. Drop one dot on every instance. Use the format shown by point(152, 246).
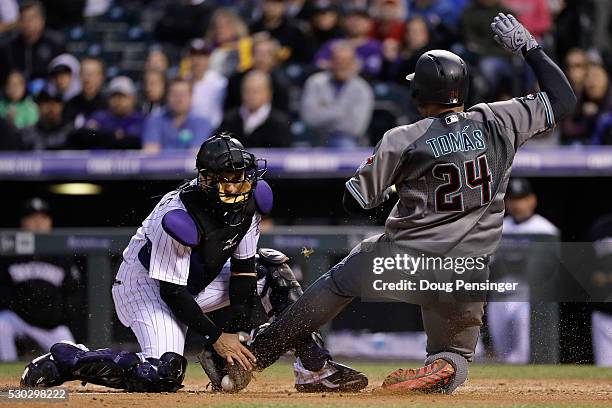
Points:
point(514, 37)
point(553, 82)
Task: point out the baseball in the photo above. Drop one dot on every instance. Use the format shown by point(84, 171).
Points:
point(227, 384)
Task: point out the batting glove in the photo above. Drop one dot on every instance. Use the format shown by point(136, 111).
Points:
point(511, 34)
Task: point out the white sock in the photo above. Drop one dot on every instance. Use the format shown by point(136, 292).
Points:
point(304, 376)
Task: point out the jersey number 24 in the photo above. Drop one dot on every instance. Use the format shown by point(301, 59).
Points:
point(449, 196)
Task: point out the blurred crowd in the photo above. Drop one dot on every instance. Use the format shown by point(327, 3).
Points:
point(276, 73)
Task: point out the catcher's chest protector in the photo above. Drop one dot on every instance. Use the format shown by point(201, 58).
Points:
point(218, 240)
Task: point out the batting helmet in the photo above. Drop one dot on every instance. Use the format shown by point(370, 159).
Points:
point(439, 77)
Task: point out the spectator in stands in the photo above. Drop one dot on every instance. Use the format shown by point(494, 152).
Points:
point(157, 60)
point(576, 65)
point(447, 12)
point(36, 292)
point(533, 14)
point(300, 10)
point(154, 84)
point(64, 79)
point(574, 26)
point(208, 85)
point(119, 126)
point(509, 315)
point(9, 13)
point(257, 123)
point(593, 102)
point(400, 62)
point(494, 63)
point(52, 131)
point(17, 106)
point(91, 97)
point(229, 36)
point(369, 52)
point(442, 17)
point(597, 104)
point(175, 127)
point(265, 58)
point(597, 96)
point(33, 48)
point(325, 24)
point(10, 139)
point(389, 16)
point(338, 103)
point(602, 135)
point(274, 20)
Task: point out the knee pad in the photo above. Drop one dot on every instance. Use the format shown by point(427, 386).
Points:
point(171, 371)
point(165, 374)
point(120, 369)
point(280, 281)
point(459, 363)
point(106, 367)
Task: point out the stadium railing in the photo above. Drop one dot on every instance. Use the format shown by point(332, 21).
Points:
point(586, 161)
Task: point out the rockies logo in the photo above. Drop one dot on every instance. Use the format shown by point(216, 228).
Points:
point(230, 242)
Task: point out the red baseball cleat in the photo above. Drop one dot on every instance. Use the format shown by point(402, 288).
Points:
point(431, 378)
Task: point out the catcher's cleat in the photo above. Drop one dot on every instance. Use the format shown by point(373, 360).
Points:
point(345, 379)
point(42, 372)
point(433, 377)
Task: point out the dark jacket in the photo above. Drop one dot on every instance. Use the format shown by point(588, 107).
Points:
point(280, 90)
point(183, 22)
point(274, 132)
point(32, 60)
point(290, 36)
point(9, 136)
point(81, 108)
point(43, 291)
point(46, 137)
point(476, 29)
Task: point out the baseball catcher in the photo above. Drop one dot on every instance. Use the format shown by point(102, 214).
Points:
point(195, 253)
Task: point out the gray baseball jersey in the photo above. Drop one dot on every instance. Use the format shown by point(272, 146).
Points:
point(451, 174)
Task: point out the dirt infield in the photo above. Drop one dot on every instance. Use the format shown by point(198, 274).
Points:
point(545, 387)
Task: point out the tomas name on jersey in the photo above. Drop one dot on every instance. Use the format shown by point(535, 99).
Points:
point(457, 142)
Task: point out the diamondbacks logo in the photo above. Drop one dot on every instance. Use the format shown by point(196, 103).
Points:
point(368, 162)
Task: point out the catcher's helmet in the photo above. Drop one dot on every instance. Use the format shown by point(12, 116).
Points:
point(222, 162)
point(439, 77)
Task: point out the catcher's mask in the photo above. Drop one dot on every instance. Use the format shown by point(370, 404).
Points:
point(228, 175)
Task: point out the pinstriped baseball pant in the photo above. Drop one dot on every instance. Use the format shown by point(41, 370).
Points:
point(139, 306)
